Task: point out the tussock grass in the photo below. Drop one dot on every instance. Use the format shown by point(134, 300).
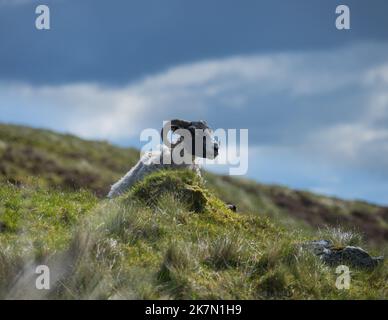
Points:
point(179, 243)
point(341, 237)
point(227, 251)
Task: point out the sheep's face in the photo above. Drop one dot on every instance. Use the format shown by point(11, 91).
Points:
point(196, 138)
point(203, 143)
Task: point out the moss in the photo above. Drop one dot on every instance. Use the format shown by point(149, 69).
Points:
point(185, 185)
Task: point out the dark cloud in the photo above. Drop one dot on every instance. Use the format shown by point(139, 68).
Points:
point(120, 41)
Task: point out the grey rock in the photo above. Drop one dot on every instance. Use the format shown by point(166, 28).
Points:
point(349, 255)
point(318, 247)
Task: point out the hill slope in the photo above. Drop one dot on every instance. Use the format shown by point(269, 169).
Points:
point(66, 162)
point(58, 160)
point(170, 236)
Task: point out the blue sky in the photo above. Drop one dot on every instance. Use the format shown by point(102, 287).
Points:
point(314, 98)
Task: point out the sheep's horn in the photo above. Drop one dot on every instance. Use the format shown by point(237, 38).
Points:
point(178, 123)
point(173, 125)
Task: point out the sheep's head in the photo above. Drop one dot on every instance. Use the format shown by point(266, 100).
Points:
point(196, 137)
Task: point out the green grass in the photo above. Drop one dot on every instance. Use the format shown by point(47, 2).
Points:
point(171, 236)
point(302, 209)
point(60, 160)
point(180, 242)
point(68, 163)
point(37, 215)
point(35, 223)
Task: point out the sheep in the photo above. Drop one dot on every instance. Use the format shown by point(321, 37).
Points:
point(196, 140)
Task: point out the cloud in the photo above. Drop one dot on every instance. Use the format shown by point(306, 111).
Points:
point(142, 37)
point(347, 143)
point(279, 88)
point(328, 107)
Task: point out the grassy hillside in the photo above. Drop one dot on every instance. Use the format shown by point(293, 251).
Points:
point(66, 162)
point(155, 242)
point(170, 236)
point(303, 208)
point(63, 161)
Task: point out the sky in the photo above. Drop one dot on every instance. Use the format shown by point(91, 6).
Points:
point(314, 98)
